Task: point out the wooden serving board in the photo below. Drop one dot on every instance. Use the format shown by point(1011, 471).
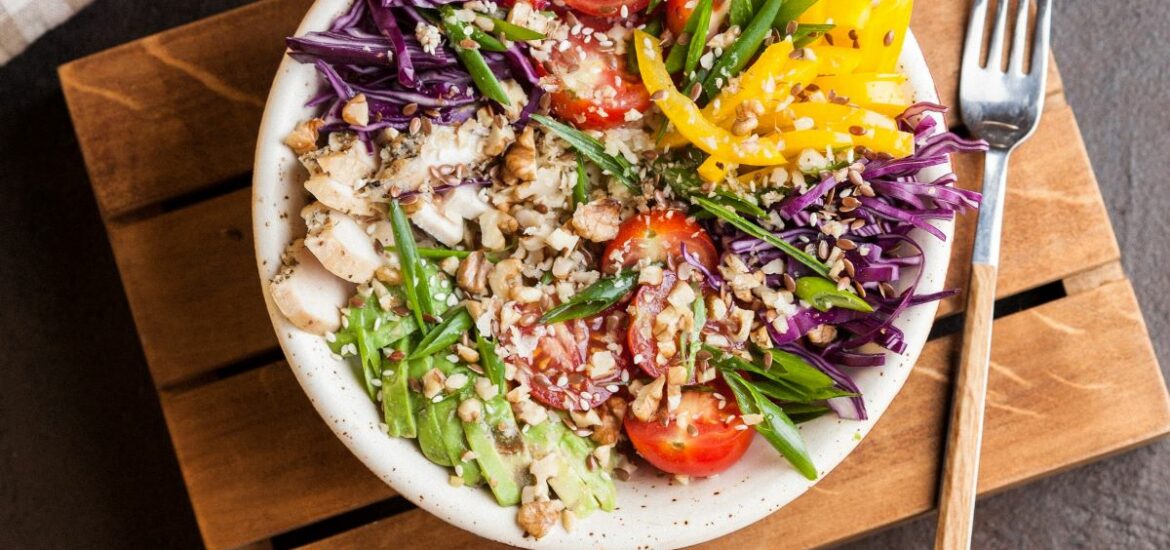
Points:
point(168, 125)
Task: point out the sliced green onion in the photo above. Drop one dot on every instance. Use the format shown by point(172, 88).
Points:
point(593, 150)
point(512, 31)
point(731, 217)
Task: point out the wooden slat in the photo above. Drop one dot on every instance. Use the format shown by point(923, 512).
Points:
point(177, 111)
point(1055, 221)
point(190, 277)
point(1042, 361)
point(259, 461)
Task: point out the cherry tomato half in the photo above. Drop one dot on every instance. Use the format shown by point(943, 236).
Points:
point(648, 303)
point(610, 9)
point(656, 236)
point(707, 447)
point(595, 91)
point(556, 371)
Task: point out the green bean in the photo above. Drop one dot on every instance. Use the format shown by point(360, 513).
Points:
point(485, 81)
point(777, 429)
point(698, 36)
point(736, 56)
point(491, 363)
point(824, 294)
point(436, 253)
point(515, 32)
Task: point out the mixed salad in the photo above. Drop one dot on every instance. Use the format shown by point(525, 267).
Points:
point(579, 231)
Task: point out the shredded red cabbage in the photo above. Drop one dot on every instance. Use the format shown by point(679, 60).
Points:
point(882, 253)
point(366, 51)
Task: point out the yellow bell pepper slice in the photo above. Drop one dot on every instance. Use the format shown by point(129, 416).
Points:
point(688, 119)
point(833, 60)
point(883, 140)
point(799, 140)
point(847, 115)
point(848, 14)
point(713, 170)
point(762, 80)
point(881, 92)
point(890, 18)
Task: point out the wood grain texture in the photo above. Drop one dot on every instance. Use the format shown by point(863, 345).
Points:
point(1051, 191)
point(965, 431)
point(177, 111)
point(258, 460)
point(190, 277)
point(1037, 369)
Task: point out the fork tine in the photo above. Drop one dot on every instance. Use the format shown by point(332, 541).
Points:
point(1019, 38)
point(995, 46)
point(1041, 37)
point(973, 45)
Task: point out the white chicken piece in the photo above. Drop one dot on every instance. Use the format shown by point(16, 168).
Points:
point(342, 246)
point(307, 294)
point(339, 196)
point(443, 217)
point(446, 229)
point(445, 145)
point(337, 174)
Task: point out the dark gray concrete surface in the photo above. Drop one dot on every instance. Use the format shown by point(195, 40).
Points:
point(84, 457)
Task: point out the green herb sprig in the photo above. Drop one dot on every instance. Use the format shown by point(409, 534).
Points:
point(594, 299)
point(593, 150)
point(447, 332)
point(733, 218)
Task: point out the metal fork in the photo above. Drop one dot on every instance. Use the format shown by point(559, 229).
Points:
point(1002, 107)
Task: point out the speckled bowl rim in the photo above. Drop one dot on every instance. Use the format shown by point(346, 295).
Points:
point(650, 511)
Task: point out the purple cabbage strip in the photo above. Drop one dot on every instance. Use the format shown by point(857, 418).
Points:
point(388, 25)
point(710, 278)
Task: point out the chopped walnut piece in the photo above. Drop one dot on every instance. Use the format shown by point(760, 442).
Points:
point(473, 272)
point(520, 160)
point(611, 414)
point(505, 276)
point(647, 399)
point(356, 111)
point(822, 335)
point(537, 518)
point(303, 138)
point(598, 221)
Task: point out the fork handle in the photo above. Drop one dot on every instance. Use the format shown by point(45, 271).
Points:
point(961, 468)
point(960, 473)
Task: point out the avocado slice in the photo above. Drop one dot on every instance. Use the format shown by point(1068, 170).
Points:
point(397, 402)
point(599, 480)
point(544, 439)
point(499, 449)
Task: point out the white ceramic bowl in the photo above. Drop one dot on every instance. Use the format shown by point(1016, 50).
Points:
point(651, 513)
